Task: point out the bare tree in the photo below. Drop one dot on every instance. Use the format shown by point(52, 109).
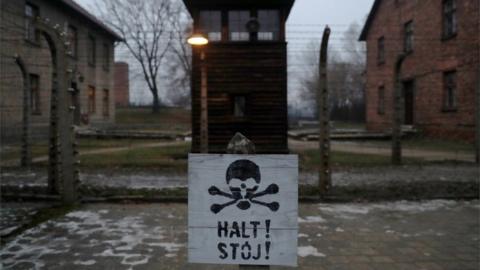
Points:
point(145, 26)
point(179, 66)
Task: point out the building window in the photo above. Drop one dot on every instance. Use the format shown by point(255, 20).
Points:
point(381, 50)
point(211, 24)
point(106, 57)
point(269, 21)
point(450, 86)
point(106, 103)
point(239, 106)
point(449, 18)
point(35, 94)
point(91, 51)
point(408, 36)
point(73, 40)
point(237, 23)
point(31, 13)
point(381, 100)
point(91, 99)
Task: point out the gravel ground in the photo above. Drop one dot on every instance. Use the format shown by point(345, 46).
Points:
point(155, 179)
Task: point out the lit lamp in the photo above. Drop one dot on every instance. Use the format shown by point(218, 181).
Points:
point(200, 41)
point(197, 40)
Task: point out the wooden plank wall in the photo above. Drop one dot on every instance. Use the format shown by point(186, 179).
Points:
point(257, 70)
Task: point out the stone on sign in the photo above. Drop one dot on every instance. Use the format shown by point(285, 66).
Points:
point(242, 209)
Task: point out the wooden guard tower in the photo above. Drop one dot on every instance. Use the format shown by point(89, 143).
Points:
point(244, 69)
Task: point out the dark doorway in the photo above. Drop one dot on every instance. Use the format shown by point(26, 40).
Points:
point(409, 98)
point(76, 104)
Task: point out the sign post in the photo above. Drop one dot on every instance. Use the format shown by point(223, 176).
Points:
point(242, 209)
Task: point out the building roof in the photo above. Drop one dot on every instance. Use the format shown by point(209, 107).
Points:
point(205, 4)
point(371, 16)
point(91, 18)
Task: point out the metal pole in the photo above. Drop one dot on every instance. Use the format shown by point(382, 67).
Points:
point(324, 174)
point(26, 157)
point(203, 105)
point(398, 107)
point(239, 144)
point(477, 132)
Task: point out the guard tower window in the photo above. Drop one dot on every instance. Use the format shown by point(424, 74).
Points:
point(211, 24)
point(239, 106)
point(269, 21)
point(237, 21)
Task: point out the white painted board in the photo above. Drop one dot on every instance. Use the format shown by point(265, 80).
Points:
point(242, 209)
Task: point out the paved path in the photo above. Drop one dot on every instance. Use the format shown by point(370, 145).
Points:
point(429, 235)
point(358, 148)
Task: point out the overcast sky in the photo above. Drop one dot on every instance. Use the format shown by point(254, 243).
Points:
point(305, 24)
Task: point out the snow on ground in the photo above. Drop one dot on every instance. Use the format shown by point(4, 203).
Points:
point(14, 215)
point(353, 210)
point(153, 179)
point(89, 262)
point(128, 238)
point(309, 251)
point(311, 219)
point(302, 235)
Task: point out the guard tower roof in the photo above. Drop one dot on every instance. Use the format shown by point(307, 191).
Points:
point(235, 4)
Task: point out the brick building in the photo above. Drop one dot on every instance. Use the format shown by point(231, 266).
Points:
point(121, 84)
point(91, 59)
point(440, 39)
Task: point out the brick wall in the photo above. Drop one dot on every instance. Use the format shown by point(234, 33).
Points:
point(431, 57)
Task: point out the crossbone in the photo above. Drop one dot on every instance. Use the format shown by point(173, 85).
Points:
point(246, 200)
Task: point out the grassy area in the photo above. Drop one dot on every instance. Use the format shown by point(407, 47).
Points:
point(429, 144)
point(168, 119)
point(440, 145)
point(170, 158)
point(89, 144)
point(309, 160)
point(38, 150)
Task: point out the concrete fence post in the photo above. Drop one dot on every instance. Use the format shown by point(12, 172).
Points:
point(26, 155)
point(324, 170)
point(477, 118)
point(398, 108)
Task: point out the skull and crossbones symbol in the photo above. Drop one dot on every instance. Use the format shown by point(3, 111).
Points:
point(243, 179)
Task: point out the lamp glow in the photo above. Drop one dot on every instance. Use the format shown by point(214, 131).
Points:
point(197, 40)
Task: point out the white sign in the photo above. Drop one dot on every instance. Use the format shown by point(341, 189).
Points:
point(243, 209)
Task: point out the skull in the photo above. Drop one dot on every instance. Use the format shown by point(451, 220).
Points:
point(243, 177)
